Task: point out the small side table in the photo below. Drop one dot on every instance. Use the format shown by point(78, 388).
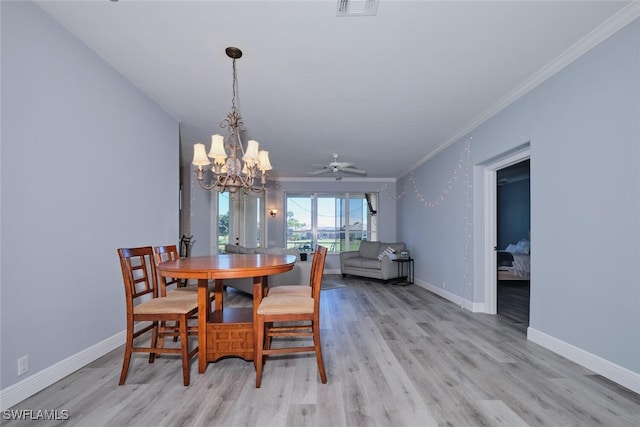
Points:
point(401, 263)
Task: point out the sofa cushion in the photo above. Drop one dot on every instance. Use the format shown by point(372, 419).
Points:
point(237, 249)
point(353, 262)
point(360, 262)
point(369, 249)
point(270, 251)
point(372, 264)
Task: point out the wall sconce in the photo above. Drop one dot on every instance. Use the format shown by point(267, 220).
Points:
point(273, 212)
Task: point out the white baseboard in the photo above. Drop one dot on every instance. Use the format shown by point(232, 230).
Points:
point(18, 392)
point(607, 369)
point(474, 307)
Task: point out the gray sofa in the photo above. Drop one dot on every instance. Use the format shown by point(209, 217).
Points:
point(374, 259)
point(299, 275)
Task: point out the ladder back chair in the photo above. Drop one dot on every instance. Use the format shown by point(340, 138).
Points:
point(144, 304)
point(170, 253)
point(301, 290)
point(301, 315)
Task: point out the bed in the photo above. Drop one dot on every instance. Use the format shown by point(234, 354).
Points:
point(514, 262)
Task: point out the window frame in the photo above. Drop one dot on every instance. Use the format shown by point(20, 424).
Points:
point(240, 210)
point(345, 215)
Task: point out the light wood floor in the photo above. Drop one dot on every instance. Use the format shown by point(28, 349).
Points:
point(513, 301)
point(395, 356)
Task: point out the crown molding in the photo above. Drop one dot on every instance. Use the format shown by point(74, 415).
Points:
point(609, 27)
point(331, 179)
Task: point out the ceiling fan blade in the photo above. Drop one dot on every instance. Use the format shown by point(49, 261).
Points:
point(318, 172)
point(337, 167)
point(356, 171)
point(343, 165)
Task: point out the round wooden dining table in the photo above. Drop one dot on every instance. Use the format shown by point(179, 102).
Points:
point(226, 332)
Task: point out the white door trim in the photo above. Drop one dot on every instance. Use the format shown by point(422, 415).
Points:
point(491, 226)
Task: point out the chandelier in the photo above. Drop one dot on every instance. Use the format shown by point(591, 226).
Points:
point(240, 168)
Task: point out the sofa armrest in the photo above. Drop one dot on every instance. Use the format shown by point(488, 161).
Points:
point(388, 268)
point(347, 255)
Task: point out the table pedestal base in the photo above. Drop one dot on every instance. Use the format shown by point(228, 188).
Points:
point(230, 333)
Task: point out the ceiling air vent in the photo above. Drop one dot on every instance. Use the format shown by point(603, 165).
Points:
point(357, 7)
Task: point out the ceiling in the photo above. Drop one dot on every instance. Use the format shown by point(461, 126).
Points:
point(384, 91)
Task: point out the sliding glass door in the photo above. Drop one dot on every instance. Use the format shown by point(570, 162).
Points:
point(238, 221)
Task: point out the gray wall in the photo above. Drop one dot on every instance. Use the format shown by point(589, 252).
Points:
point(63, 216)
point(89, 164)
point(583, 126)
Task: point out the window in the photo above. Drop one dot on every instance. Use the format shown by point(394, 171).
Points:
point(338, 221)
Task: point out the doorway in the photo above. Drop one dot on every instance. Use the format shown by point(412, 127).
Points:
point(490, 232)
point(513, 225)
point(237, 220)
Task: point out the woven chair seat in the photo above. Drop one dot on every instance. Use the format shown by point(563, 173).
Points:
point(286, 304)
point(166, 305)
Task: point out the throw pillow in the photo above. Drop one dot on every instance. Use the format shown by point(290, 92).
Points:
point(388, 251)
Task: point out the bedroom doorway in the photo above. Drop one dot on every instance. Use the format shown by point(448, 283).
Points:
point(490, 232)
point(513, 225)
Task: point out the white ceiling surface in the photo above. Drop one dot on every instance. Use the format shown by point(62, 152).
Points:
point(384, 92)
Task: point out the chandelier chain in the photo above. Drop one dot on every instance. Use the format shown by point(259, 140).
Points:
point(235, 84)
point(238, 169)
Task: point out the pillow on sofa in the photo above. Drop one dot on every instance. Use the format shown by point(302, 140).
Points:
point(388, 251)
point(397, 247)
point(369, 249)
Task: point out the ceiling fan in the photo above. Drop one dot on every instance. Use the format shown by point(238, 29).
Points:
point(337, 168)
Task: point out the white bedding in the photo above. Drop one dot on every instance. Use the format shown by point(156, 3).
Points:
point(521, 265)
point(521, 259)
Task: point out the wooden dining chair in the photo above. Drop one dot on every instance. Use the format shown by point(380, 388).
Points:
point(144, 304)
point(300, 290)
point(301, 315)
point(181, 289)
